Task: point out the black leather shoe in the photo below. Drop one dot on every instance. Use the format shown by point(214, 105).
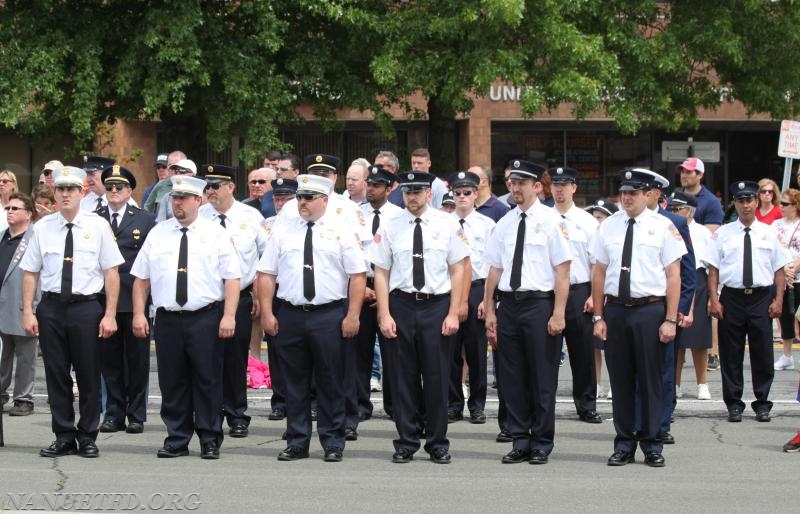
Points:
point(735, 415)
point(276, 414)
point(292, 453)
point(239, 430)
point(110, 425)
point(591, 416)
point(440, 456)
point(665, 438)
point(516, 456)
point(477, 418)
point(363, 416)
point(654, 459)
point(504, 437)
point(134, 427)
point(88, 449)
point(59, 449)
point(333, 454)
point(454, 415)
point(620, 458)
point(403, 455)
point(538, 457)
point(763, 416)
point(209, 451)
point(169, 452)
point(350, 434)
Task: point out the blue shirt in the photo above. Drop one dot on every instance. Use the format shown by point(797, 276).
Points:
point(709, 209)
point(688, 270)
point(493, 208)
point(268, 205)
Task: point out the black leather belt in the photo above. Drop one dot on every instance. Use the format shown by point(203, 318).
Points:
point(573, 287)
point(526, 295)
point(479, 282)
point(418, 297)
point(634, 302)
point(75, 298)
point(210, 306)
point(309, 307)
point(747, 290)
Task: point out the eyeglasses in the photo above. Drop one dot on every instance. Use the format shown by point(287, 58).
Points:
point(787, 204)
point(258, 181)
point(306, 197)
point(6, 181)
point(47, 173)
point(468, 192)
point(115, 187)
point(283, 168)
point(766, 191)
point(15, 208)
point(215, 186)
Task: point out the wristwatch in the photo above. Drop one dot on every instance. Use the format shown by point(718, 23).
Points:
point(596, 318)
point(674, 321)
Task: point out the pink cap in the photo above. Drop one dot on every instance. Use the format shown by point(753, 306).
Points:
point(693, 164)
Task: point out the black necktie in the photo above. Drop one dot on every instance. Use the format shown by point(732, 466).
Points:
point(418, 264)
point(99, 204)
point(222, 220)
point(625, 270)
point(461, 222)
point(516, 264)
point(308, 265)
point(748, 259)
point(182, 285)
point(376, 221)
point(114, 223)
point(66, 267)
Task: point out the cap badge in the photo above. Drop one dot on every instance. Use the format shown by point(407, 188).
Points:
point(178, 181)
point(304, 180)
point(374, 171)
point(318, 158)
point(410, 176)
point(600, 203)
point(66, 173)
point(85, 158)
point(115, 170)
point(628, 175)
point(210, 169)
point(279, 181)
point(516, 164)
point(741, 185)
point(461, 174)
point(560, 171)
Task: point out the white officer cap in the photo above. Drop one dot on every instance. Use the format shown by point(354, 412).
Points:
point(313, 184)
point(187, 185)
point(69, 176)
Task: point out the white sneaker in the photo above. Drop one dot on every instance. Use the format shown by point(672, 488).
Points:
point(374, 385)
point(609, 393)
point(702, 392)
point(784, 362)
point(678, 392)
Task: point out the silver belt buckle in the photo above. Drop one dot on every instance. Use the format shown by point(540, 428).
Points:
point(419, 297)
point(748, 290)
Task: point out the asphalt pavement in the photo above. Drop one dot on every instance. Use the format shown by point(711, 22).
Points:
point(714, 466)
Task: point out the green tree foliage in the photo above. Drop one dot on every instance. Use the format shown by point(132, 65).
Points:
point(240, 68)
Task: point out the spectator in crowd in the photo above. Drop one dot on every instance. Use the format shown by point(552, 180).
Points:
point(44, 201)
point(787, 227)
point(47, 172)
point(769, 208)
point(8, 186)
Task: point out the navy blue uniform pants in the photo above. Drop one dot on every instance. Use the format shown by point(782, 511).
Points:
point(68, 336)
point(190, 355)
point(470, 340)
point(580, 345)
point(234, 374)
point(126, 370)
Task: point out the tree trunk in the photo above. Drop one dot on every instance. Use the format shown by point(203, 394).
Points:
point(442, 138)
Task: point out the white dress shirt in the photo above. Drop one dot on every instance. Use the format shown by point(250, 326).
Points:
point(727, 254)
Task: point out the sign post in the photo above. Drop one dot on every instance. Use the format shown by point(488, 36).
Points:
point(789, 148)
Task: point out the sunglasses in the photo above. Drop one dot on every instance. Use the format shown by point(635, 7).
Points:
point(181, 171)
point(787, 204)
point(15, 208)
point(306, 197)
point(215, 186)
point(468, 192)
point(115, 187)
point(258, 181)
point(47, 173)
point(766, 191)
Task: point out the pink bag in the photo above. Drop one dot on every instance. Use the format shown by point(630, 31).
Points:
point(258, 374)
